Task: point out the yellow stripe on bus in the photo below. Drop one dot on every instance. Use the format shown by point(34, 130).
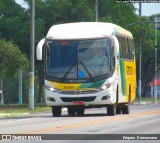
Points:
point(65, 86)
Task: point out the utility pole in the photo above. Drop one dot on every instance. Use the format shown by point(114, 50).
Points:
point(20, 86)
point(96, 10)
point(1, 91)
point(140, 61)
point(139, 87)
point(31, 73)
point(140, 9)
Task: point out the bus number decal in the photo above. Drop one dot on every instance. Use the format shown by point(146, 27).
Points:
point(68, 87)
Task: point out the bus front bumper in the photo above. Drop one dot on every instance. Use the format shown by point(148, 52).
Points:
point(104, 97)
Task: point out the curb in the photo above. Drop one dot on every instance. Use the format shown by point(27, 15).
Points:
point(144, 103)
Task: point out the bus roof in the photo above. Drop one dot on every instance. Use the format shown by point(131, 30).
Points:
point(85, 30)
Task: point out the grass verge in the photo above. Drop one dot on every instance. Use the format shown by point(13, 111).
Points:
point(20, 110)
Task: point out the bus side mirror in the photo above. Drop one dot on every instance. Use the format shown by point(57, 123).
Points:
point(116, 46)
point(40, 49)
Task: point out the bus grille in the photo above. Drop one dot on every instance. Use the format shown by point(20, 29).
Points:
point(85, 99)
point(74, 92)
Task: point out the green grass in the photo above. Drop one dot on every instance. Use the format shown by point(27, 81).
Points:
point(20, 110)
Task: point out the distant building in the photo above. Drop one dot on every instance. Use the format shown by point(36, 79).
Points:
point(156, 87)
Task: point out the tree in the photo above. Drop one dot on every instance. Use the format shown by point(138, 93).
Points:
point(11, 58)
point(14, 24)
point(121, 14)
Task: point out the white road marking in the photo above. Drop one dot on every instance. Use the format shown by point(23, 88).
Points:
point(21, 120)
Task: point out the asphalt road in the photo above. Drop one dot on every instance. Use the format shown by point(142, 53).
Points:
point(143, 119)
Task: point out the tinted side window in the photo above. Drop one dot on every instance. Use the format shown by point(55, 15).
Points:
point(123, 48)
point(129, 49)
point(126, 48)
point(133, 49)
point(120, 46)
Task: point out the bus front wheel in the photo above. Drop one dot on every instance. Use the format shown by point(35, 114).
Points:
point(71, 111)
point(111, 110)
point(56, 111)
point(80, 111)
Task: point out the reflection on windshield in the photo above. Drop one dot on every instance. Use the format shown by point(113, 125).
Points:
point(78, 59)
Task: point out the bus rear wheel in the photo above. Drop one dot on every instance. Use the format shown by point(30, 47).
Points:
point(126, 109)
point(111, 110)
point(56, 111)
point(118, 110)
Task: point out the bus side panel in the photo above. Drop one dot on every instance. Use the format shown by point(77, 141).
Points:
point(123, 77)
point(120, 81)
point(130, 75)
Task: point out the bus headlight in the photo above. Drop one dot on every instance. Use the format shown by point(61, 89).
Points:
point(103, 87)
point(50, 88)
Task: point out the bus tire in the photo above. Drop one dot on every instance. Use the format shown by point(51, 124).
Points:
point(56, 111)
point(71, 111)
point(117, 95)
point(111, 110)
point(118, 110)
point(80, 111)
point(126, 109)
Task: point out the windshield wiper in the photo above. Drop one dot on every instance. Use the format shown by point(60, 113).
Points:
point(68, 71)
point(87, 70)
point(84, 66)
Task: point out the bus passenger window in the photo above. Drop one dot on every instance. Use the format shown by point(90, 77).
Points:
point(133, 49)
point(129, 49)
point(123, 48)
point(120, 46)
point(113, 59)
point(126, 48)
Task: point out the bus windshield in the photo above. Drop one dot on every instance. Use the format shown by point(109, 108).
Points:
point(78, 59)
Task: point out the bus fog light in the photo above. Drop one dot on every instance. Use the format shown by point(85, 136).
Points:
point(105, 97)
point(50, 99)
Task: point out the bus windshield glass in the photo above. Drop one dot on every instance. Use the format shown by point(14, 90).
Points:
point(78, 59)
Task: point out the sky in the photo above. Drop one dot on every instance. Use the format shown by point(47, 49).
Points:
point(22, 3)
point(148, 9)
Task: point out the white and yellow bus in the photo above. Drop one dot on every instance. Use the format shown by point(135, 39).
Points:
point(88, 65)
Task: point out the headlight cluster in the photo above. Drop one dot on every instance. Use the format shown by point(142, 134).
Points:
point(50, 88)
point(103, 87)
